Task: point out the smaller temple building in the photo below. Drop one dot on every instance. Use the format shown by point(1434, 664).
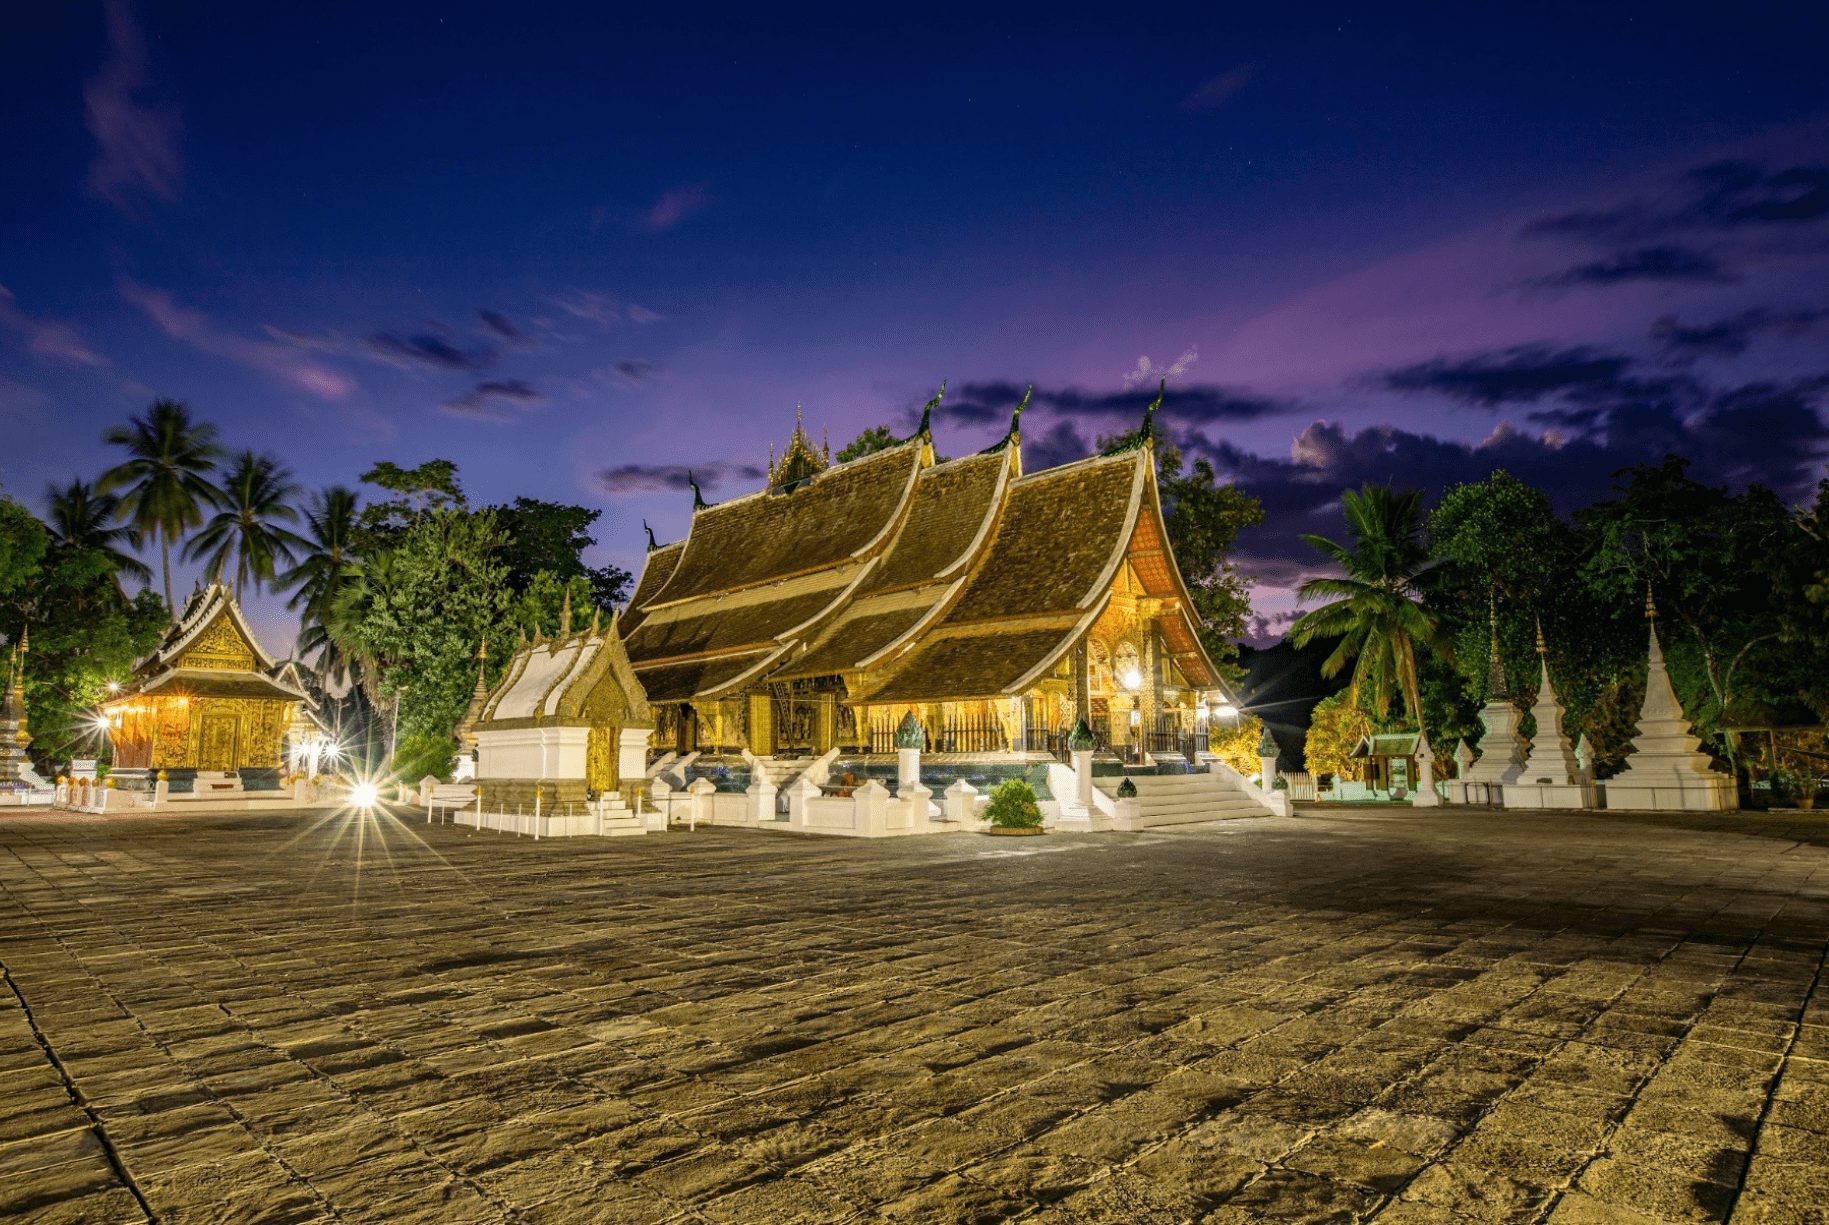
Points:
point(209, 707)
point(563, 735)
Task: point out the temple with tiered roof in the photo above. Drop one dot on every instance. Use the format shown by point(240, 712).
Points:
point(998, 606)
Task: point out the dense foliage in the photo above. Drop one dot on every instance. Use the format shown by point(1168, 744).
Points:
point(1741, 583)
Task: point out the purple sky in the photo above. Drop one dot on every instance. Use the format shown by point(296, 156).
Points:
point(580, 252)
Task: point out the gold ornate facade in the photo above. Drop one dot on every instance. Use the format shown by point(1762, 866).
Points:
point(208, 698)
point(998, 606)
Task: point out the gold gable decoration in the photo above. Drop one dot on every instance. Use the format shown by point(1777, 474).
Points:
point(219, 647)
point(800, 461)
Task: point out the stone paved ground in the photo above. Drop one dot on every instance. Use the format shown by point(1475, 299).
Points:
point(1352, 1016)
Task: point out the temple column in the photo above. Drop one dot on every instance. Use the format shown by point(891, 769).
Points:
point(1082, 682)
point(825, 723)
point(761, 725)
point(1149, 695)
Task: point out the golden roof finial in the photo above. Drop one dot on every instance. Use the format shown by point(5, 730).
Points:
point(596, 620)
point(565, 614)
point(1651, 608)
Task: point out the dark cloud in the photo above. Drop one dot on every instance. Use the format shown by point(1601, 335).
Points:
point(1731, 336)
point(1521, 373)
point(427, 350)
point(1765, 432)
point(1661, 263)
point(990, 403)
point(1721, 196)
point(502, 330)
point(659, 478)
point(494, 400)
point(634, 371)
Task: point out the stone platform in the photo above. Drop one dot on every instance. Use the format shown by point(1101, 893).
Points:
point(1355, 1016)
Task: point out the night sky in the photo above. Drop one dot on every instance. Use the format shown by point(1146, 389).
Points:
point(580, 249)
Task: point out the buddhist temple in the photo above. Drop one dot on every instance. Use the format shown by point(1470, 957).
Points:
point(566, 726)
point(207, 704)
point(997, 606)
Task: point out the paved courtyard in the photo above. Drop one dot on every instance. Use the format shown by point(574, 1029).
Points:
point(1350, 1016)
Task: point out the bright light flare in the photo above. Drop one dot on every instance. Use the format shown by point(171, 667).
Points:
point(364, 795)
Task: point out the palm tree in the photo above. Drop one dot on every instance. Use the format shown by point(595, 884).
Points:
point(81, 518)
point(165, 477)
point(256, 499)
point(1375, 610)
point(324, 566)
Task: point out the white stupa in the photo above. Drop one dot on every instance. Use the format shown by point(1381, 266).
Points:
point(1552, 775)
point(1667, 769)
point(1501, 747)
point(1425, 795)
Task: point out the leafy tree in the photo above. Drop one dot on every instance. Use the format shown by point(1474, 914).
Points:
point(326, 555)
point(1204, 518)
point(165, 480)
point(1377, 611)
point(81, 518)
point(1709, 557)
point(538, 607)
point(552, 537)
point(1338, 724)
point(84, 634)
point(256, 500)
point(413, 615)
point(418, 491)
point(1237, 745)
point(23, 541)
point(876, 438)
point(1800, 577)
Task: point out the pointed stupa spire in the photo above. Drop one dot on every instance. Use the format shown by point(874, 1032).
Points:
point(1552, 757)
point(825, 444)
point(466, 726)
point(565, 614)
point(1667, 768)
point(1495, 670)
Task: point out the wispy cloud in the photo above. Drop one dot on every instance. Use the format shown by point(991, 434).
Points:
point(674, 206)
point(46, 338)
point(1666, 262)
point(1147, 371)
point(602, 309)
point(427, 349)
point(660, 478)
point(503, 330)
point(137, 141)
point(194, 328)
point(497, 400)
point(1217, 91)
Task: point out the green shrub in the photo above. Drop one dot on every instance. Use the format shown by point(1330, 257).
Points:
point(1279, 783)
point(421, 754)
point(1014, 806)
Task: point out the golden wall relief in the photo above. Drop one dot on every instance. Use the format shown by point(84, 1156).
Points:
point(219, 647)
point(220, 733)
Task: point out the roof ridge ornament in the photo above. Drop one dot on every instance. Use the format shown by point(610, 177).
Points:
point(652, 543)
point(698, 497)
point(926, 428)
point(565, 614)
point(1148, 433)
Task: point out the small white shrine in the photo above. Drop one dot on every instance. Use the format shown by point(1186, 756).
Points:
point(1502, 746)
point(1667, 769)
point(1553, 776)
point(561, 740)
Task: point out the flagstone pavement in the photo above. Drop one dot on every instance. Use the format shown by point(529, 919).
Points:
point(1353, 1015)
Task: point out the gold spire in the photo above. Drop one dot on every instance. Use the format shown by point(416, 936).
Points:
point(1541, 649)
point(1651, 608)
point(596, 621)
point(800, 459)
point(565, 614)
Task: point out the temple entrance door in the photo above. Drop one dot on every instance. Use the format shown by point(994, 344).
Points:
point(600, 762)
point(219, 735)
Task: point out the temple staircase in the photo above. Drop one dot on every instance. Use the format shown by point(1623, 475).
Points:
point(1183, 799)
